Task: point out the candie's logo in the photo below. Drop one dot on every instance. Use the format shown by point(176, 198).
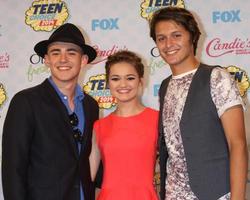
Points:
point(217, 47)
point(102, 54)
point(241, 77)
point(98, 89)
point(149, 6)
point(3, 96)
point(46, 15)
point(4, 60)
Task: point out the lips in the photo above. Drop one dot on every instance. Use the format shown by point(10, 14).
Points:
point(171, 52)
point(63, 67)
point(123, 91)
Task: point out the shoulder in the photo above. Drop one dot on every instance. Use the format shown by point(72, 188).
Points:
point(90, 99)
point(163, 87)
point(165, 82)
point(150, 120)
point(152, 111)
point(41, 88)
point(28, 93)
point(91, 103)
point(224, 90)
point(104, 119)
point(151, 114)
point(205, 69)
point(220, 76)
point(205, 73)
point(220, 71)
point(23, 102)
point(209, 67)
point(103, 122)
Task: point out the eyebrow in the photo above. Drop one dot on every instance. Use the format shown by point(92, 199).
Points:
point(58, 49)
point(173, 32)
point(125, 75)
point(73, 49)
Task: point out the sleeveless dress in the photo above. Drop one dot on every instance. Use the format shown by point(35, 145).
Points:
point(128, 151)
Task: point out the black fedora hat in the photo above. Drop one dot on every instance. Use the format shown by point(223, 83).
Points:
point(66, 33)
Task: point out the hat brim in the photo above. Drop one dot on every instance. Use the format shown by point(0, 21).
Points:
point(42, 47)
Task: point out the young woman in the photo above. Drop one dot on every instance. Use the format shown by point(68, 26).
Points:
point(126, 139)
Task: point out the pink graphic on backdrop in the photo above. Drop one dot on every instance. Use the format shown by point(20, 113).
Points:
point(4, 60)
point(102, 54)
point(217, 47)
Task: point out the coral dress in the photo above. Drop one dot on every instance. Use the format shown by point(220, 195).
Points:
point(128, 150)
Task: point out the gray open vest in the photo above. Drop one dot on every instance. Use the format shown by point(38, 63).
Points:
point(203, 137)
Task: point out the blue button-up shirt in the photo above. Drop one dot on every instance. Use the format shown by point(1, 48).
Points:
point(79, 95)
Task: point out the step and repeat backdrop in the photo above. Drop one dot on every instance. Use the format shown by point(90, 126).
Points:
point(110, 26)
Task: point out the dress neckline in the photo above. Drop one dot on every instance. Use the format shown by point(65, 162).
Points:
point(131, 116)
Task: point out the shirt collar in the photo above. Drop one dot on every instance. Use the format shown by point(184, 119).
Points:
point(79, 95)
point(184, 74)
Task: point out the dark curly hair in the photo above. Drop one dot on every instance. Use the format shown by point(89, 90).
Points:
point(127, 57)
point(180, 16)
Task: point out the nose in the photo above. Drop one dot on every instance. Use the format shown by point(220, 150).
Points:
point(123, 82)
point(63, 57)
point(169, 42)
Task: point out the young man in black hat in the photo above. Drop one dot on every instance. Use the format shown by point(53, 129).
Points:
point(48, 128)
point(203, 150)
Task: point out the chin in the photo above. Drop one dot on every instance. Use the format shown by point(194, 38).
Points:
point(173, 62)
point(125, 100)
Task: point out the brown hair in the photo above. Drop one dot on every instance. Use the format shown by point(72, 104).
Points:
point(180, 16)
point(125, 56)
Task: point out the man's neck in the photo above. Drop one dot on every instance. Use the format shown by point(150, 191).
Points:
point(68, 89)
point(184, 67)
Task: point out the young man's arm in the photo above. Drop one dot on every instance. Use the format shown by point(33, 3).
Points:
point(233, 124)
point(17, 132)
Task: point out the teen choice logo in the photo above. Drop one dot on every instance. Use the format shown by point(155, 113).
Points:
point(3, 96)
point(241, 77)
point(46, 15)
point(148, 7)
point(99, 90)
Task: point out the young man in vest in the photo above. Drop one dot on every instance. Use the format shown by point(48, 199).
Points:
point(203, 150)
point(48, 128)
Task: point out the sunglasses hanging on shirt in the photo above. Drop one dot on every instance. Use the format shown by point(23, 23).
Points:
point(73, 120)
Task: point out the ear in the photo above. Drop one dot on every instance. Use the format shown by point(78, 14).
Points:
point(141, 87)
point(46, 60)
point(85, 60)
point(142, 81)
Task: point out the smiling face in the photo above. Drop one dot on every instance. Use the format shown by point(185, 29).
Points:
point(175, 47)
point(124, 82)
point(65, 61)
